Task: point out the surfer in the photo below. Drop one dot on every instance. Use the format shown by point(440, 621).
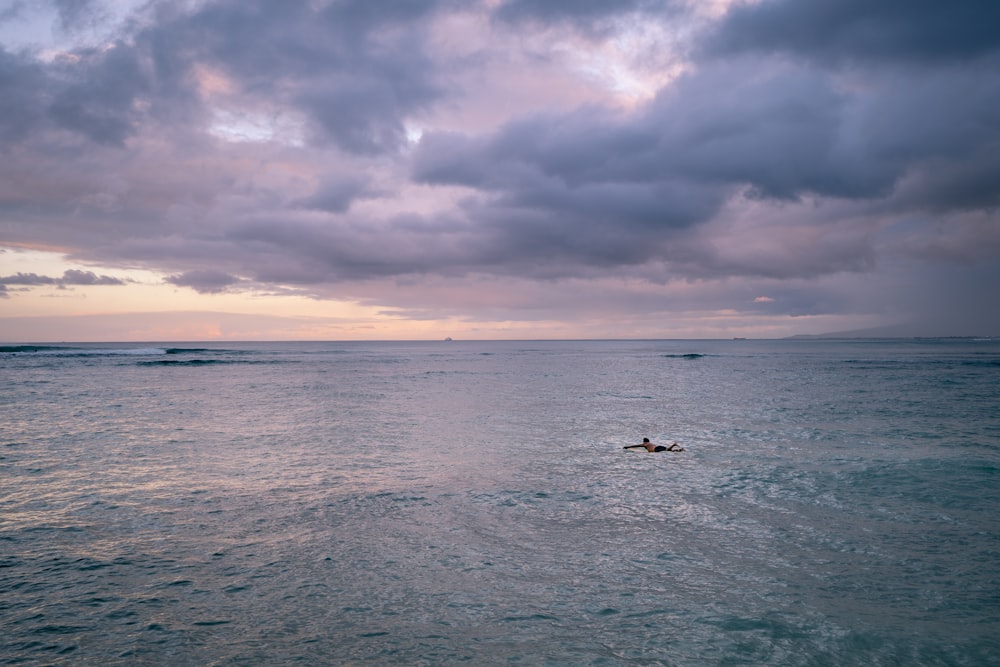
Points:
point(650, 447)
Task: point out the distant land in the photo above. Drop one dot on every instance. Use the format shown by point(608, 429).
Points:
point(910, 330)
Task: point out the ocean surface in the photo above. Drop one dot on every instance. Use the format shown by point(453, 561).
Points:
point(439, 503)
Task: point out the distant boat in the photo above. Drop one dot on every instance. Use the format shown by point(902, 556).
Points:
point(447, 339)
point(738, 338)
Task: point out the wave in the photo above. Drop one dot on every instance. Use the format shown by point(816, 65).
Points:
point(140, 355)
point(945, 362)
point(981, 362)
point(689, 355)
point(183, 362)
point(212, 362)
point(144, 351)
point(66, 351)
point(21, 349)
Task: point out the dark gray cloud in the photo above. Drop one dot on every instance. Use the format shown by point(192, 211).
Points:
point(27, 279)
point(337, 195)
point(307, 252)
point(782, 129)
point(204, 281)
point(77, 277)
point(12, 10)
point(69, 277)
point(23, 97)
point(588, 15)
point(354, 71)
point(96, 94)
point(857, 32)
point(75, 15)
point(592, 188)
point(355, 68)
point(561, 193)
point(92, 95)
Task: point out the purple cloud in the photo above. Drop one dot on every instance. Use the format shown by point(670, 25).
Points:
point(361, 148)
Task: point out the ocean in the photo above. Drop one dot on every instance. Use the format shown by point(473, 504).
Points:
point(460, 502)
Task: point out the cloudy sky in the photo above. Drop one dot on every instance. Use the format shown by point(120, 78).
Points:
point(415, 169)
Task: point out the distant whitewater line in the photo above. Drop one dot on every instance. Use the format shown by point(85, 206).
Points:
point(79, 351)
point(66, 350)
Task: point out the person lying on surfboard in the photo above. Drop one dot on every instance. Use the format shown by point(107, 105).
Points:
point(650, 447)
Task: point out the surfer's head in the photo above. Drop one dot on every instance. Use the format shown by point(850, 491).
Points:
point(645, 440)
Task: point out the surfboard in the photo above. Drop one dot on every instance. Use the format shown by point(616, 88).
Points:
point(646, 451)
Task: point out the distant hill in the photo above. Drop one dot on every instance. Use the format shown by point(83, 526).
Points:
point(909, 330)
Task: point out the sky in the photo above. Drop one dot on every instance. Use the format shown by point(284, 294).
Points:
point(498, 169)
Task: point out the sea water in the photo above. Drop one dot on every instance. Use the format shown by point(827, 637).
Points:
point(437, 503)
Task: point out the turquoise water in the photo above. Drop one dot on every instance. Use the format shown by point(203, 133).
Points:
point(470, 502)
